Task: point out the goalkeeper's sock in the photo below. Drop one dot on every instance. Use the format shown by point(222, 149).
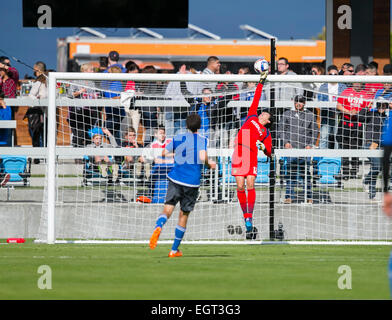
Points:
point(161, 221)
point(241, 195)
point(251, 200)
point(178, 235)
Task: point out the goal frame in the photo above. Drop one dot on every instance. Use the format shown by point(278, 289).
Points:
point(51, 151)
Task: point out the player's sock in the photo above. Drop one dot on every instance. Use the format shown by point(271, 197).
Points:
point(241, 195)
point(251, 200)
point(161, 221)
point(178, 235)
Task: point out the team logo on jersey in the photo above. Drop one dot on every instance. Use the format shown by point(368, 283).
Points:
point(255, 170)
point(261, 131)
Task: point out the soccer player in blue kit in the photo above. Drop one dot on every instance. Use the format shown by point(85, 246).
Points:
point(387, 206)
point(190, 154)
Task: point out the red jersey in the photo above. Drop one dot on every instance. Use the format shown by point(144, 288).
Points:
point(157, 144)
point(372, 88)
point(351, 99)
point(245, 150)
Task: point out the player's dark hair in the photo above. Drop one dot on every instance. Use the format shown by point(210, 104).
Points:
point(161, 128)
point(271, 119)
point(193, 122)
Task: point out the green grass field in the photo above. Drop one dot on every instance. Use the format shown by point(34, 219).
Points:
point(204, 272)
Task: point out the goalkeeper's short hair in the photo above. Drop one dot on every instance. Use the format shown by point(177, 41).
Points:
point(267, 110)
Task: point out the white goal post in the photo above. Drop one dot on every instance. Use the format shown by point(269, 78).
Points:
point(53, 151)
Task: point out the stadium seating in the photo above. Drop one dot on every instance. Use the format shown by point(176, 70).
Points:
point(328, 171)
point(19, 168)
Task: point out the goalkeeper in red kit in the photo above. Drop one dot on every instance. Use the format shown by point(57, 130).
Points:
point(252, 137)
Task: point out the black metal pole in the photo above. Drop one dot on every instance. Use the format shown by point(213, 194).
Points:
point(272, 162)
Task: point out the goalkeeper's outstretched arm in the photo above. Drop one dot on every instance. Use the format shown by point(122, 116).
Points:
point(257, 96)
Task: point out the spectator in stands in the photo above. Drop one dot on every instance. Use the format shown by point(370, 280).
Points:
point(385, 92)
point(113, 59)
point(284, 91)
point(213, 67)
point(161, 141)
point(132, 113)
point(130, 161)
point(36, 114)
point(312, 89)
point(242, 70)
point(317, 70)
point(83, 118)
point(347, 69)
point(5, 114)
point(13, 73)
point(298, 130)
point(329, 92)
point(205, 108)
point(175, 116)
point(371, 70)
point(224, 116)
point(150, 91)
point(104, 164)
point(373, 65)
point(360, 70)
point(387, 70)
point(7, 84)
point(349, 135)
point(114, 115)
point(374, 124)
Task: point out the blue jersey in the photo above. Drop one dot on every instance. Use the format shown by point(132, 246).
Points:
point(187, 163)
point(387, 132)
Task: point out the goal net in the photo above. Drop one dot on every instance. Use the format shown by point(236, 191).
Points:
point(106, 177)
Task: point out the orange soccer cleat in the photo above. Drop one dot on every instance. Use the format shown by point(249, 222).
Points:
point(154, 238)
point(175, 254)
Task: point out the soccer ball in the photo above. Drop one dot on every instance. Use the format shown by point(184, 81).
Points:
point(261, 65)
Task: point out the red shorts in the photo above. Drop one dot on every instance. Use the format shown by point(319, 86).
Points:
point(243, 165)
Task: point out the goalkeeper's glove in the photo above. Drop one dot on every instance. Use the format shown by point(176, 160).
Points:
point(260, 145)
point(263, 76)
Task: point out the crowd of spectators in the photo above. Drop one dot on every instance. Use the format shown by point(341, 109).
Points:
point(351, 110)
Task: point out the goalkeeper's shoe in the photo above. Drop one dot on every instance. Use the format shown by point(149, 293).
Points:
point(175, 254)
point(154, 238)
point(248, 224)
